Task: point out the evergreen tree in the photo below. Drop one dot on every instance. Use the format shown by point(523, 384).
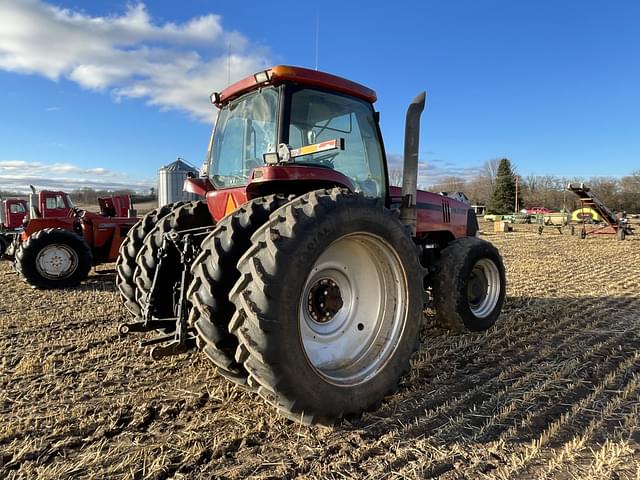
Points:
point(503, 198)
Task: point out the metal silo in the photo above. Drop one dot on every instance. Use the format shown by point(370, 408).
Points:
point(170, 181)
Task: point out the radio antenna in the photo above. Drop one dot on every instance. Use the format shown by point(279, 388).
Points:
point(228, 63)
point(317, 37)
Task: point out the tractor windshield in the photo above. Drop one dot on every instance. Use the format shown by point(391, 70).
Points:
point(318, 116)
point(245, 130)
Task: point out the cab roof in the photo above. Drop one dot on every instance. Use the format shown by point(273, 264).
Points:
point(304, 76)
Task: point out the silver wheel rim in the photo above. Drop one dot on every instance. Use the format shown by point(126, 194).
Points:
point(353, 309)
point(56, 261)
point(483, 288)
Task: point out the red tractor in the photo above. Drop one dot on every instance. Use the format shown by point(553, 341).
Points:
point(59, 243)
point(303, 274)
point(15, 213)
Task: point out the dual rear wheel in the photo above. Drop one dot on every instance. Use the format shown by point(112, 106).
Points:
point(326, 301)
point(316, 302)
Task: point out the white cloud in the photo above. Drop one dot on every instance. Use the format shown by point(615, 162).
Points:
point(17, 175)
point(172, 66)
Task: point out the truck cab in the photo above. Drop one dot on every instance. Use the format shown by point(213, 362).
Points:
point(12, 213)
point(49, 204)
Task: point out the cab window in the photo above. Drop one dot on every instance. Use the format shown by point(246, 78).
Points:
point(16, 208)
point(52, 203)
point(245, 131)
point(318, 116)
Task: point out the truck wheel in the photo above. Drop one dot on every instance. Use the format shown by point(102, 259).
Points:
point(328, 306)
point(53, 258)
point(126, 262)
point(215, 273)
point(469, 285)
point(190, 215)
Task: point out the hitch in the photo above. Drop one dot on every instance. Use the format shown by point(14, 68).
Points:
point(146, 326)
point(183, 338)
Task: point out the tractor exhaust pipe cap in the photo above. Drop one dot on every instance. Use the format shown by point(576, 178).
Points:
point(408, 212)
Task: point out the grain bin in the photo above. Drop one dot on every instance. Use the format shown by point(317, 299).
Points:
point(170, 181)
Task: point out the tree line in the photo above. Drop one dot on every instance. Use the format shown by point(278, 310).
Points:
point(90, 195)
point(548, 191)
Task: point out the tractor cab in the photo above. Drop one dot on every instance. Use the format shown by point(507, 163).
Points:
point(12, 213)
point(49, 204)
point(277, 121)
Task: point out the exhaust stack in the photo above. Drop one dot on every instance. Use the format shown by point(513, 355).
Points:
point(408, 212)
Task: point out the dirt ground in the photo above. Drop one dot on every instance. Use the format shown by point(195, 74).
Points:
point(552, 391)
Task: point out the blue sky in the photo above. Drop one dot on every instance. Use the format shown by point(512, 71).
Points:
point(104, 93)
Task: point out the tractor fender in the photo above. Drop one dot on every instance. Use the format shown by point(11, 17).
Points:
point(37, 224)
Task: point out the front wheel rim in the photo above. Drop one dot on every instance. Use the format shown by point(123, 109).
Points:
point(483, 288)
point(56, 261)
point(353, 309)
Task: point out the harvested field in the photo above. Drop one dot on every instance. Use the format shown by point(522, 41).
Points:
point(553, 391)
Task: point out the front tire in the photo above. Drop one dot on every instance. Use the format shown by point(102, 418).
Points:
point(469, 285)
point(328, 306)
point(53, 258)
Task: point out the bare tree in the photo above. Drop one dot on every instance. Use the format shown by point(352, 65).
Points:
point(490, 170)
point(449, 184)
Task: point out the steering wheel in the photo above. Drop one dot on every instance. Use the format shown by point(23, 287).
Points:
point(326, 159)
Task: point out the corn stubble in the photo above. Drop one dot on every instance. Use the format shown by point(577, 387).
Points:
point(553, 391)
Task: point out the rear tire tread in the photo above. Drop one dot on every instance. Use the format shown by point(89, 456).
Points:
point(214, 275)
point(126, 262)
point(254, 323)
point(189, 215)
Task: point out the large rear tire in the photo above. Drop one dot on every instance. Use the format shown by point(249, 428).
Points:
point(190, 215)
point(328, 306)
point(215, 272)
point(53, 258)
point(469, 285)
point(126, 262)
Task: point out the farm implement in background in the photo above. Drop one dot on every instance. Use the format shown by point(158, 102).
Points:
point(589, 203)
point(303, 275)
point(57, 244)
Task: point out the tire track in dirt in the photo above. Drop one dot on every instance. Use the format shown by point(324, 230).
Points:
point(613, 423)
point(522, 356)
point(466, 425)
point(532, 451)
point(452, 358)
